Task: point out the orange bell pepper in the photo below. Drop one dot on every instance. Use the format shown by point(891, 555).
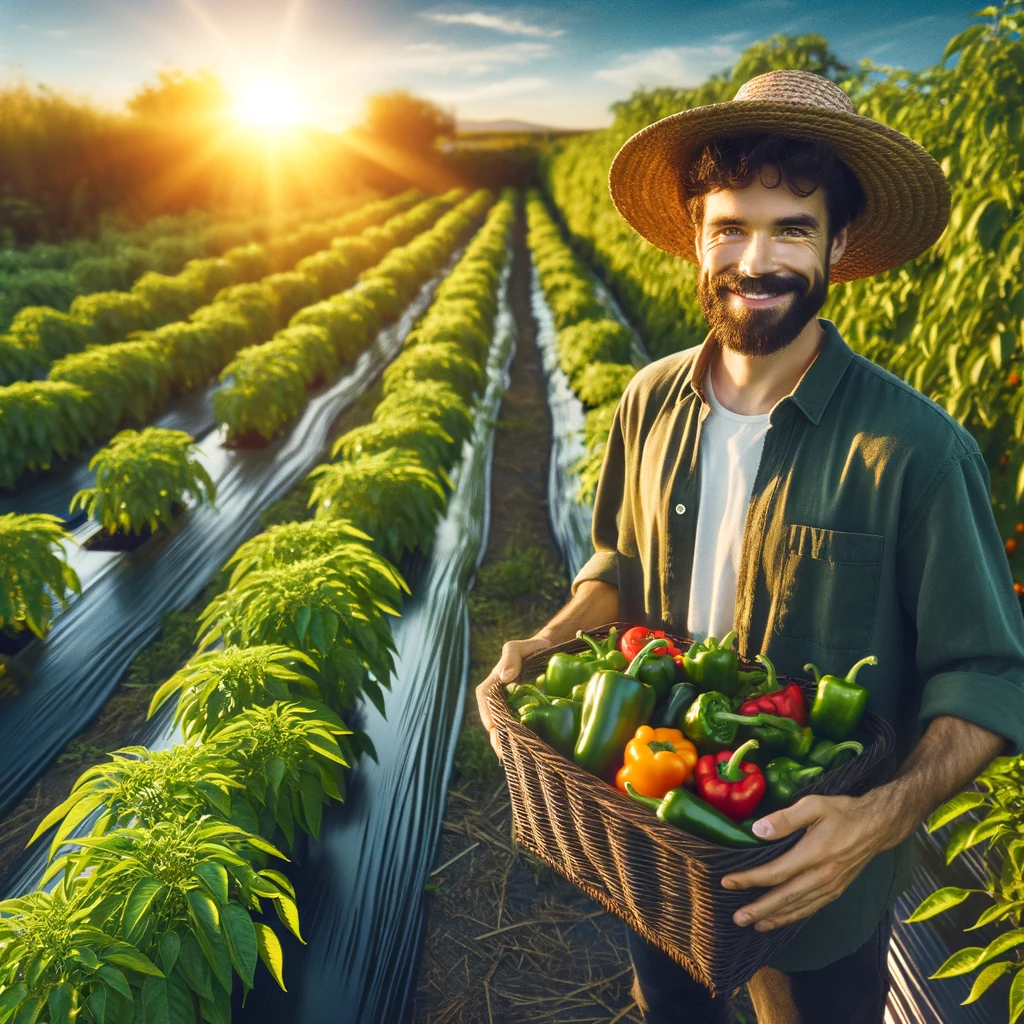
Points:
point(655, 761)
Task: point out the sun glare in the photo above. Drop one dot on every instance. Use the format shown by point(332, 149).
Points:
point(269, 104)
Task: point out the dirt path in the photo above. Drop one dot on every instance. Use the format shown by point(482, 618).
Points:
point(507, 939)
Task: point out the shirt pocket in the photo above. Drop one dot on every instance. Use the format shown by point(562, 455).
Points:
point(829, 587)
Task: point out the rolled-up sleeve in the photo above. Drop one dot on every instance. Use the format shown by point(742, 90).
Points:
point(603, 564)
point(956, 585)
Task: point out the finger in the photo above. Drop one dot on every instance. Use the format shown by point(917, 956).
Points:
point(481, 705)
point(805, 888)
point(801, 857)
point(804, 812)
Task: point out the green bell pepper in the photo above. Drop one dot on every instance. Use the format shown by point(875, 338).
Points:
point(564, 671)
point(784, 777)
point(680, 697)
point(615, 706)
point(579, 691)
point(713, 665)
point(557, 723)
point(839, 703)
point(690, 813)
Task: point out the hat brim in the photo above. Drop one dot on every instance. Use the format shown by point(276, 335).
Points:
point(907, 196)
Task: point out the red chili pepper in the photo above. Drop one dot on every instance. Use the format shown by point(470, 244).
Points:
point(729, 784)
point(634, 640)
point(786, 703)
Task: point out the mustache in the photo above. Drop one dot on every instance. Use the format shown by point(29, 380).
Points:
point(773, 284)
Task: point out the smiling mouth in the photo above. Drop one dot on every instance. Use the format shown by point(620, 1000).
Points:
point(757, 301)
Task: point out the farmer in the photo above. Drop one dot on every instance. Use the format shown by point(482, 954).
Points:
point(773, 481)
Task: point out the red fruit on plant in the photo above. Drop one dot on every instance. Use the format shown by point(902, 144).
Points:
point(1014, 379)
point(1011, 546)
point(1018, 588)
point(1019, 528)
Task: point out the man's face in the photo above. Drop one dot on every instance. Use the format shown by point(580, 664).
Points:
point(770, 245)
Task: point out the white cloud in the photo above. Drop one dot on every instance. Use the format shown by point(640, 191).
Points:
point(444, 59)
point(493, 90)
point(669, 65)
point(510, 26)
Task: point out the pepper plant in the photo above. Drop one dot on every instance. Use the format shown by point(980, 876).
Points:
point(181, 891)
point(141, 476)
point(34, 572)
point(56, 964)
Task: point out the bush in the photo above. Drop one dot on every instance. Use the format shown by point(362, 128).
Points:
point(603, 382)
point(140, 476)
point(593, 341)
point(34, 572)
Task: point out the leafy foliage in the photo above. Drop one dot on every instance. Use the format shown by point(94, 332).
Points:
point(34, 571)
point(141, 476)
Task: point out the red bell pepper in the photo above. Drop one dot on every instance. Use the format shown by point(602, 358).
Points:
point(632, 642)
point(772, 699)
point(730, 784)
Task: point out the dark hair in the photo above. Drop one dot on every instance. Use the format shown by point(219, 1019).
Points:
point(731, 162)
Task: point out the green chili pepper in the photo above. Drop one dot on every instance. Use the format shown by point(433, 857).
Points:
point(830, 755)
point(616, 704)
point(557, 723)
point(713, 665)
point(604, 654)
point(839, 703)
point(690, 813)
point(680, 697)
point(784, 777)
point(520, 694)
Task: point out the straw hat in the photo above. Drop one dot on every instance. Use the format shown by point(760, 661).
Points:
point(906, 193)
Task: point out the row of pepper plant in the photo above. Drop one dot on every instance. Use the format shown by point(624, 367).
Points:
point(31, 592)
point(593, 348)
point(950, 322)
point(89, 394)
point(55, 275)
point(39, 335)
point(151, 913)
point(268, 384)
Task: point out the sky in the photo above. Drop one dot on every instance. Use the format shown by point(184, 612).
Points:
point(560, 64)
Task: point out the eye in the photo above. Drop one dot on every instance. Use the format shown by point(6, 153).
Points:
point(799, 231)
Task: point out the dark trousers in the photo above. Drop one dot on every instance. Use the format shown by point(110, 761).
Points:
point(853, 990)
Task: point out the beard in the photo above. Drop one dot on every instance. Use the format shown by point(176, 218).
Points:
point(761, 332)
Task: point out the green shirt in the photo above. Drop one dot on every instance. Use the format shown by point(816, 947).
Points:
point(869, 531)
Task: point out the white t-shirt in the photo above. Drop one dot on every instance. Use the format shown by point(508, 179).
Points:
point(730, 452)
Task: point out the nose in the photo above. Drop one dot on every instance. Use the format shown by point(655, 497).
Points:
point(758, 256)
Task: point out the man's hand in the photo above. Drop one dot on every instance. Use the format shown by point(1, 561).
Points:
point(843, 834)
point(513, 654)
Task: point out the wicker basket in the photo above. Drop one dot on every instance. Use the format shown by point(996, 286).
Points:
point(663, 882)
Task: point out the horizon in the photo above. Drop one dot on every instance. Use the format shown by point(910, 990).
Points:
point(553, 65)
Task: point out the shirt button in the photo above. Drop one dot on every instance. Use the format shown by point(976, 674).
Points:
point(680, 508)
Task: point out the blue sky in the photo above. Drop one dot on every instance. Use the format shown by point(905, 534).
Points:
point(560, 63)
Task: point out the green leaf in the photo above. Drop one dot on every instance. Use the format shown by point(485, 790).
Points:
point(270, 952)
point(135, 961)
point(959, 804)
point(60, 1003)
point(204, 910)
point(1016, 996)
point(215, 877)
point(138, 903)
point(114, 979)
point(170, 945)
point(155, 1003)
point(937, 902)
point(963, 961)
point(289, 915)
point(987, 978)
point(1001, 944)
point(241, 940)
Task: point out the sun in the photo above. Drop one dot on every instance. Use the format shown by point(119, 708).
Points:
point(269, 104)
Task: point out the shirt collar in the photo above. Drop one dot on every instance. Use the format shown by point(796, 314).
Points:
point(815, 387)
